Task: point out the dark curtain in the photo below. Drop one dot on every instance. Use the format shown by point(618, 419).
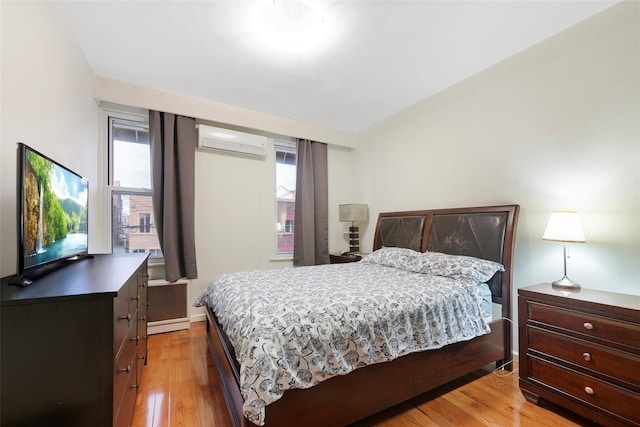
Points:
point(173, 143)
point(310, 241)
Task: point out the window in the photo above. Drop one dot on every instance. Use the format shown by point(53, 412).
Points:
point(132, 221)
point(285, 196)
point(145, 223)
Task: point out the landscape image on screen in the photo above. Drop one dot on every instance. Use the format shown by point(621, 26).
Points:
point(55, 211)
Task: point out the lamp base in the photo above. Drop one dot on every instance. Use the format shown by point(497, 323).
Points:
point(565, 283)
point(354, 239)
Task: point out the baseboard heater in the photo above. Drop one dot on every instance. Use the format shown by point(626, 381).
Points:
point(168, 309)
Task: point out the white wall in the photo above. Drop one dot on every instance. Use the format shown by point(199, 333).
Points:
point(554, 127)
point(47, 103)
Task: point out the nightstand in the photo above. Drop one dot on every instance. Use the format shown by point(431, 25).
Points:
point(581, 350)
point(338, 259)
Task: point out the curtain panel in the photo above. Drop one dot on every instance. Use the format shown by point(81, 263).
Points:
point(311, 233)
point(173, 141)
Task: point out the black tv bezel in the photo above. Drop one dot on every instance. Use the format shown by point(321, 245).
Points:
point(25, 276)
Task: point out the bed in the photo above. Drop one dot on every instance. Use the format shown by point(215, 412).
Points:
point(484, 233)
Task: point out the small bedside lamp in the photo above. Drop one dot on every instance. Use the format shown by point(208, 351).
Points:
point(353, 213)
point(564, 226)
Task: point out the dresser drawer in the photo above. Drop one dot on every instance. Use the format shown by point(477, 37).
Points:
point(614, 363)
point(142, 295)
point(143, 307)
point(139, 367)
point(134, 296)
point(587, 324)
point(124, 412)
point(143, 339)
point(596, 393)
point(143, 284)
point(122, 320)
point(124, 366)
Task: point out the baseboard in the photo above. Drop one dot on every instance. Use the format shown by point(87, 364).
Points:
point(170, 325)
point(200, 317)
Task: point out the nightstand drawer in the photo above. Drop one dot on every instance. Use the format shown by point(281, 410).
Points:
point(584, 323)
point(614, 363)
point(592, 391)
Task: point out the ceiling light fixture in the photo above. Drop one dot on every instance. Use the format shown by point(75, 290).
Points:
point(290, 26)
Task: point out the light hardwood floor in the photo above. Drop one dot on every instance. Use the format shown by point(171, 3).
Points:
point(180, 388)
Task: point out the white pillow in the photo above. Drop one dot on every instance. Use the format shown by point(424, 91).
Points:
point(402, 258)
point(440, 264)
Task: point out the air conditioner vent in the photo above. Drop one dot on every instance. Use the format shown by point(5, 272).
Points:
point(233, 141)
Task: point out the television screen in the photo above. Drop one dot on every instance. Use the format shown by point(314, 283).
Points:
point(52, 217)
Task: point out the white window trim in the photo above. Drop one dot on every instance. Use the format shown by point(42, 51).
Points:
point(287, 145)
point(134, 114)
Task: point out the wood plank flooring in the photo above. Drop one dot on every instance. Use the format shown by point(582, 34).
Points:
point(180, 387)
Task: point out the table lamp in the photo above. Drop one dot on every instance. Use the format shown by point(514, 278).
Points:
point(564, 226)
point(353, 213)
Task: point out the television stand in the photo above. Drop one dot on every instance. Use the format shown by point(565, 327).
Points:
point(73, 344)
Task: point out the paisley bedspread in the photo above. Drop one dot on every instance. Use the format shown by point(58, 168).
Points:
point(294, 327)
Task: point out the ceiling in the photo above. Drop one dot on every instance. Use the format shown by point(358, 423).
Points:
point(380, 57)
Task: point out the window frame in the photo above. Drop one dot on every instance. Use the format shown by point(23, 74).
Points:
point(109, 117)
point(291, 147)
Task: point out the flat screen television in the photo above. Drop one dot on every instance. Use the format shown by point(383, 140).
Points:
point(52, 215)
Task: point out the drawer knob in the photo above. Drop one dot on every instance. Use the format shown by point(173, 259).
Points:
point(127, 317)
point(127, 369)
point(136, 298)
point(586, 357)
point(136, 339)
point(588, 325)
point(589, 390)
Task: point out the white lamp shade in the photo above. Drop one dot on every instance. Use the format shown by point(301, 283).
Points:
point(564, 226)
point(353, 212)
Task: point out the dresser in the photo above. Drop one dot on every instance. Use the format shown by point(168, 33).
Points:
point(581, 350)
point(73, 344)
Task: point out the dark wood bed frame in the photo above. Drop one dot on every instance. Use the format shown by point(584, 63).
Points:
point(482, 232)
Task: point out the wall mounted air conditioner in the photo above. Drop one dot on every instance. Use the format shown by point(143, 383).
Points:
point(228, 140)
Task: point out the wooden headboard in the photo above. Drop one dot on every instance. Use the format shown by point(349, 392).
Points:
point(486, 232)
